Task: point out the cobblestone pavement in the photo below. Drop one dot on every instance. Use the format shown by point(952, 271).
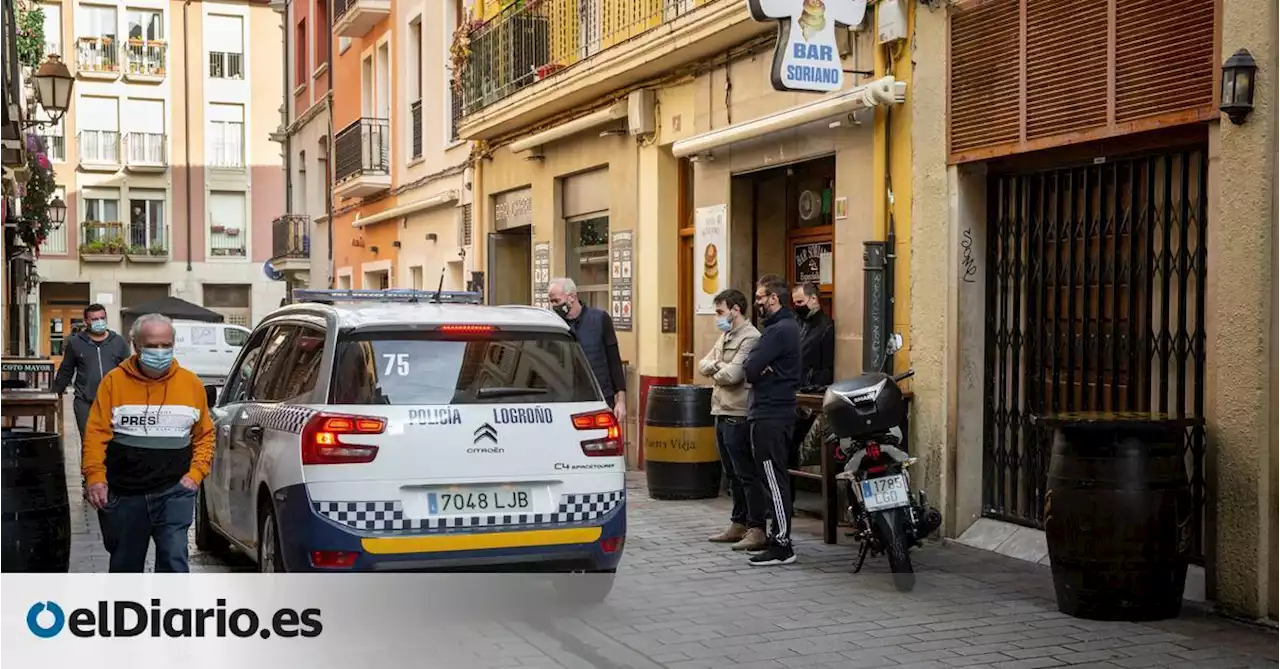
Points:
point(683, 603)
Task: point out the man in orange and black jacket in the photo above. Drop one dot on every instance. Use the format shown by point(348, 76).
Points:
point(148, 444)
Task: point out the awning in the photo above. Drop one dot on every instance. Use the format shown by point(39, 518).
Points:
point(176, 308)
point(432, 202)
point(614, 112)
point(884, 91)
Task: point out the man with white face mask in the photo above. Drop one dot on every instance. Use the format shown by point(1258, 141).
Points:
point(86, 358)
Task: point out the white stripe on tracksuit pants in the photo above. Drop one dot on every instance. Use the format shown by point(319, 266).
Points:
point(771, 443)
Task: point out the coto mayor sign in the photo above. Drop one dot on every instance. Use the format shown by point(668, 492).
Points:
point(806, 57)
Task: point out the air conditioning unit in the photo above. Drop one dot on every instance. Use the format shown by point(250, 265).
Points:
point(641, 119)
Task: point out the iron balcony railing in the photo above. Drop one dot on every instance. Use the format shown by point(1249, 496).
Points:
point(97, 54)
point(531, 41)
point(103, 238)
point(362, 148)
point(55, 146)
point(455, 114)
point(146, 57)
point(415, 117)
point(340, 7)
point(146, 149)
point(226, 65)
point(148, 238)
point(291, 236)
point(100, 147)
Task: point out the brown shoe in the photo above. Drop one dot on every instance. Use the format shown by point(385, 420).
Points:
point(733, 534)
point(754, 540)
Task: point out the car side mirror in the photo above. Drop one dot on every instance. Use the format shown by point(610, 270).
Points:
point(211, 395)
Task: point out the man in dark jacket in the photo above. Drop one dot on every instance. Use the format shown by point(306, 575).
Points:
point(87, 357)
point(594, 331)
point(773, 370)
point(817, 364)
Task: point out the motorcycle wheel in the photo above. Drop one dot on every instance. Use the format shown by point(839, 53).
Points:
point(891, 526)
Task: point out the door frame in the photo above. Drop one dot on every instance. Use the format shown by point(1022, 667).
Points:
point(684, 281)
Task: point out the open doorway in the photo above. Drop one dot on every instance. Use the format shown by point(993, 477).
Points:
point(511, 266)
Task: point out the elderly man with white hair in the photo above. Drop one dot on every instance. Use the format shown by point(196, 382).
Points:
point(594, 331)
point(148, 443)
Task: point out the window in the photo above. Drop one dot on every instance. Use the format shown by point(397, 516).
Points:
point(290, 363)
point(227, 231)
point(99, 120)
point(101, 208)
point(55, 144)
point(415, 277)
point(344, 43)
point(302, 181)
point(52, 29)
point(322, 27)
point(56, 242)
point(239, 381)
point(145, 50)
point(395, 368)
point(415, 87)
point(235, 337)
point(96, 49)
point(225, 37)
point(147, 232)
point(301, 56)
point(226, 136)
point(101, 218)
point(146, 25)
point(456, 14)
point(587, 261)
point(383, 74)
point(145, 141)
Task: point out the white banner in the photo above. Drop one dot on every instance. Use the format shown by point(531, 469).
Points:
point(710, 256)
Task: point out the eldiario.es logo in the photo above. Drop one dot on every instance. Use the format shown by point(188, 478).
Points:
point(125, 618)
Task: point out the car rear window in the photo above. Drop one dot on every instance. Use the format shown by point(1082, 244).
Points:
point(401, 368)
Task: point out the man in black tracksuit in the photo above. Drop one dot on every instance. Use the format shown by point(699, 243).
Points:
point(773, 370)
point(88, 356)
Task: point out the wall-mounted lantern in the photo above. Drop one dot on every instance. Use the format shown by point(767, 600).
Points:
point(1237, 85)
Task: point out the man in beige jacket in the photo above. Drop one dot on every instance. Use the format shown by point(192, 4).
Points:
point(723, 365)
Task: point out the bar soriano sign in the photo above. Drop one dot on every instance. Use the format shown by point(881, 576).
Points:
point(806, 57)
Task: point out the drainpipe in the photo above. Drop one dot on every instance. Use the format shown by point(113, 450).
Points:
point(186, 103)
point(288, 136)
point(332, 150)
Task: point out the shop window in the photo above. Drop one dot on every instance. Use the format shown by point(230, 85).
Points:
point(587, 262)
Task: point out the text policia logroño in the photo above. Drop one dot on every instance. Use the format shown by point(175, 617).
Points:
point(124, 618)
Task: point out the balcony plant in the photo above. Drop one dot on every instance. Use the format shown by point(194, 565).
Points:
point(217, 229)
point(157, 249)
point(30, 37)
point(460, 49)
point(34, 226)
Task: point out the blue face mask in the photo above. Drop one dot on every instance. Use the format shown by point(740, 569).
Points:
point(99, 326)
point(724, 324)
point(156, 359)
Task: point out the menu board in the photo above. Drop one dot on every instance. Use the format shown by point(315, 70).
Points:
point(541, 274)
point(813, 262)
point(620, 284)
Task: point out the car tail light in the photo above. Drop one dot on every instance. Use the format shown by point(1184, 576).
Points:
point(611, 544)
point(611, 443)
point(333, 559)
point(467, 329)
point(322, 439)
point(873, 451)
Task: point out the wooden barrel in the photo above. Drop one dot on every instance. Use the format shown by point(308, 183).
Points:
point(681, 458)
point(36, 532)
point(1118, 516)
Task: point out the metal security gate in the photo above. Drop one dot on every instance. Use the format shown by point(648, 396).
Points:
point(1095, 294)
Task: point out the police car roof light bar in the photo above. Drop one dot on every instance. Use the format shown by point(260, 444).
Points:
point(391, 295)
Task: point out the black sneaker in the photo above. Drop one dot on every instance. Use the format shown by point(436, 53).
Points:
point(773, 555)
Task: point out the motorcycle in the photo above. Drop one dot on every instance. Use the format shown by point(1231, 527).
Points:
point(864, 416)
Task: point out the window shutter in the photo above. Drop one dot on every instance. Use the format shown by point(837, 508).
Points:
point(984, 108)
point(1066, 66)
point(1164, 57)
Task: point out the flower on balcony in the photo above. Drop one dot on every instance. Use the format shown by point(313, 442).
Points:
point(30, 35)
point(34, 226)
point(460, 49)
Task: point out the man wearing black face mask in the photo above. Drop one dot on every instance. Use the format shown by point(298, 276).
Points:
point(817, 365)
point(594, 330)
point(773, 370)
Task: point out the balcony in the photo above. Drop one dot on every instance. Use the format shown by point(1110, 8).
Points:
point(362, 160)
point(102, 242)
point(291, 243)
point(99, 150)
point(146, 151)
point(145, 60)
point(148, 242)
point(55, 146)
point(415, 118)
point(546, 58)
point(98, 58)
point(226, 65)
point(355, 18)
point(226, 241)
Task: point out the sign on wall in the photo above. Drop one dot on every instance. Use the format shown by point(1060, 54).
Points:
point(513, 209)
point(620, 283)
point(541, 274)
point(806, 56)
point(813, 262)
point(711, 265)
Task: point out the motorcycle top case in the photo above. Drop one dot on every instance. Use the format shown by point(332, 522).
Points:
point(864, 406)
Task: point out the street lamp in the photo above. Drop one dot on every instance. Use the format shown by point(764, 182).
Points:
point(53, 88)
point(1237, 85)
point(57, 211)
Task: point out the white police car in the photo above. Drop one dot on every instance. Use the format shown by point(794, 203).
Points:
point(406, 430)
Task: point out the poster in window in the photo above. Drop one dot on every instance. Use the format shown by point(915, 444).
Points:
point(541, 274)
point(813, 262)
point(621, 249)
point(710, 262)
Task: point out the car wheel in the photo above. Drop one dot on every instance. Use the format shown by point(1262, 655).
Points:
point(270, 558)
point(585, 589)
point(207, 538)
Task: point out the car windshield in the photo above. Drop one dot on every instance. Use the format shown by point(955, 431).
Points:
point(400, 368)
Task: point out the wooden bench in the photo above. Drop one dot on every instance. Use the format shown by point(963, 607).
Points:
point(829, 466)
